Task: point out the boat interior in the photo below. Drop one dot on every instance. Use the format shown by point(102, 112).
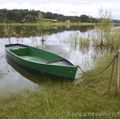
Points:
point(38, 56)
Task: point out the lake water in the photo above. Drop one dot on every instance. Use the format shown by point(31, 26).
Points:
point(64, 42)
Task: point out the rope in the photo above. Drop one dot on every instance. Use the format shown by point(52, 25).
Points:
point(102, 70)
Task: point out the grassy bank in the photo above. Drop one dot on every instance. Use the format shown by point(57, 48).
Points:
point(86, 99)
point(51, 24)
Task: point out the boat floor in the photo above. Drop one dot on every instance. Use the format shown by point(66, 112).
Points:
point(34, 59)
point(43, 61)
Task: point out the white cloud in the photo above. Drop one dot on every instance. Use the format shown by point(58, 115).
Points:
point(66, 7)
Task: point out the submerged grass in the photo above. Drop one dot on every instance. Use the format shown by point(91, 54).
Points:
point(1, 74)
point(84, 42)
point(78, 42)
point(115, 39)
point(85, 99)
point(110, 41)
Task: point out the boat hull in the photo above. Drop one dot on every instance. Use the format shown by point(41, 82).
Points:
point(67, 72)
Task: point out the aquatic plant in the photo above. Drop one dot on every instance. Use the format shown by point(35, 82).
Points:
point(1, 74)
point(84, 42)
point(95, 42)
point(114, 42)
point(111, 41)
point(78, 42)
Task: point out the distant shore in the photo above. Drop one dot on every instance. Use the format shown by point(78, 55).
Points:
point(52, 24)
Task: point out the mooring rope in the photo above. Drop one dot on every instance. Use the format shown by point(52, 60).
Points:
point(105, 68)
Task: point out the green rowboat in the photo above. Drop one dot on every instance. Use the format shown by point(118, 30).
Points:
point(41, 61)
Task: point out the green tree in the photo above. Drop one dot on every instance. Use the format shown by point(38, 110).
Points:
point(104, 25)
point(84, 18)
point(17, 15)
point(29, 18)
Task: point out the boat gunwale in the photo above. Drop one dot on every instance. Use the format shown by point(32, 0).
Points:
point(70, 66)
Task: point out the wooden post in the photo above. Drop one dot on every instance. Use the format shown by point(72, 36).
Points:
point(118, 72)
point(109, 87)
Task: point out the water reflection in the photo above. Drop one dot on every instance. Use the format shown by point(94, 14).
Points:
point(26, 31)
point(12, 82)
point(39, 78)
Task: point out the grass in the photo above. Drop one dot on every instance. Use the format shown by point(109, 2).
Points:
point(50, 24)
point(85, 99)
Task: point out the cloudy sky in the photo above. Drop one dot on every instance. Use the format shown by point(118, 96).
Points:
point(66, 7)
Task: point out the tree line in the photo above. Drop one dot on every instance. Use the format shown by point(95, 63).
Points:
point(25, 15)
